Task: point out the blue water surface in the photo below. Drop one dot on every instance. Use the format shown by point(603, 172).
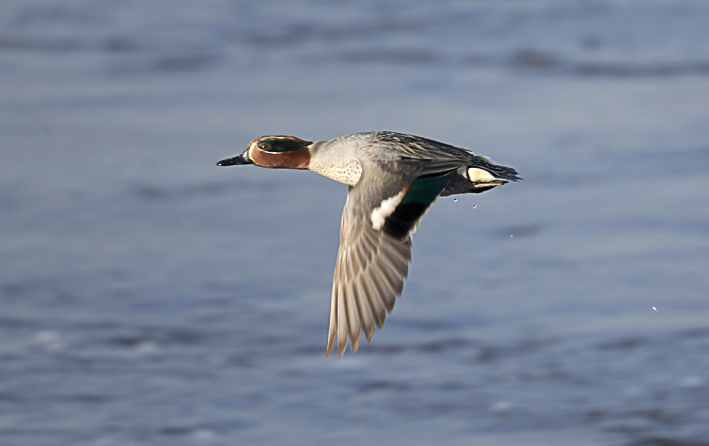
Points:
point(148, 297)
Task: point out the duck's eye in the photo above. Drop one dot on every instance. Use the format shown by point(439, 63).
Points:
point(264, 146)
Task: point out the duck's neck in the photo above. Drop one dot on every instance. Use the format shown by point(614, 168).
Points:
point(337, 160)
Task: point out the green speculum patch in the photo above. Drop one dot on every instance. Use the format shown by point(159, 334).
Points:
point(425, 190)
point(422, 192)
point(279, 145)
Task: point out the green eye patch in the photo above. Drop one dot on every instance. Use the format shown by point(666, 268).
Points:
point(279, 145)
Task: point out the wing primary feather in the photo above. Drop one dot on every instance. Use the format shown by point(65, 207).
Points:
point(379, 310)
point(363, 259)
point(348, 266)
point(332, 327)
point(394, 275)
point(355, 327)
point(394, 260)
point(341, 324)
point(387, 272)
point(387, 293)
point(365, 310)
point(399, 249)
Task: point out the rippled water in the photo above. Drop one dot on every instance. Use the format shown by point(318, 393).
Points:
point(148, 297)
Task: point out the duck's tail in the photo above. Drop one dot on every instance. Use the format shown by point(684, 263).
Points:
point(479, 175)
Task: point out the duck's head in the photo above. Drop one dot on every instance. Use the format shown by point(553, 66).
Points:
point(275, 152)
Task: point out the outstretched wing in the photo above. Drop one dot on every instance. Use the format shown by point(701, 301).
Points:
point(381, 212)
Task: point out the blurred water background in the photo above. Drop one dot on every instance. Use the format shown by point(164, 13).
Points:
point(148, 297)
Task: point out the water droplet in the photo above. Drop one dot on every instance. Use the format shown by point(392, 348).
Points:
point(455, 200)
point(475, 206)
point(512, 236)
point(654, 308)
